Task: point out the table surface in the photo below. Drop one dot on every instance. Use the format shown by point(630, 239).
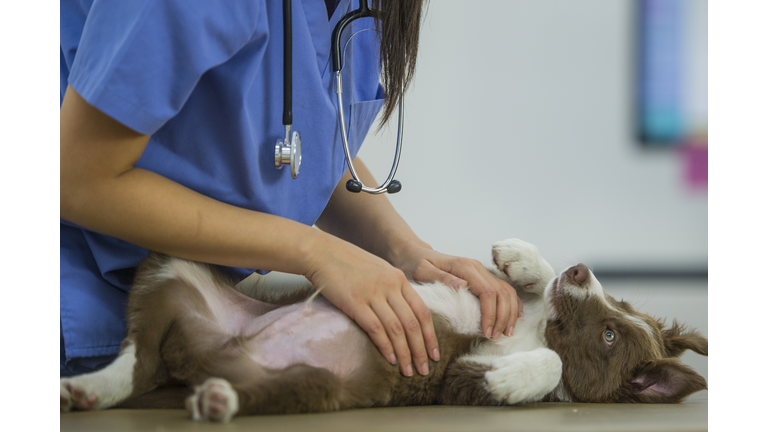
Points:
point(690, 415)
point(687, 301)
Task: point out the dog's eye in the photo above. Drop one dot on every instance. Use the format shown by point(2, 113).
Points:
point(610, 336)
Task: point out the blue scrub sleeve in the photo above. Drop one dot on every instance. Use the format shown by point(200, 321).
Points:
point(139, 60)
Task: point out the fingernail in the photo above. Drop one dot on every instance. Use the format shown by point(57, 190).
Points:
point(488, 332)
point(497, 335)
point(520, 314)
point(424, 369)
point(435, 354)
point(511, 330)
point(392, 359)
point(408, 371)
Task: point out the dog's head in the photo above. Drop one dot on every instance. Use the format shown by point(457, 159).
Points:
point(611, 352)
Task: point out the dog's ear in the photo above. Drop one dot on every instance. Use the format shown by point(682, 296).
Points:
point(664, 381)
point(678, 339)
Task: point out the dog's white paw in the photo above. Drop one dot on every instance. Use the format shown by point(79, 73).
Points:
point(522, 264)
point(103, 388)
point(524, 376)
point(73, 396)
point(215, 400)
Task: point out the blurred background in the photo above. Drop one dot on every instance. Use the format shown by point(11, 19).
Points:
point(580, 127)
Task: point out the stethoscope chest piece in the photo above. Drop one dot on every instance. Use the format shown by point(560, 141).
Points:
point(288, 151)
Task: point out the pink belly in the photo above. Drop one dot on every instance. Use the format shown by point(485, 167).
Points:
point(319, 335)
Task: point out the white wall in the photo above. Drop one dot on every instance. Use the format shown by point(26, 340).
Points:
point(519, 124)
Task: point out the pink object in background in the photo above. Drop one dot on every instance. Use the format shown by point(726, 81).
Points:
point(696, 164)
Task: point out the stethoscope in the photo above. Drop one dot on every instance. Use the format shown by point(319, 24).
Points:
point(288, 150)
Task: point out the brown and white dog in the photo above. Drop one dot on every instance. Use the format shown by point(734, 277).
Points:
point(187, 324)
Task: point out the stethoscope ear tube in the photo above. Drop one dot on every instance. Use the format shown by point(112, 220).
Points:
point(354, 184)
point(361, 12)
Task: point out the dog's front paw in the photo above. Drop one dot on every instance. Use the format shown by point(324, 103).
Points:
point(214, 400)
point(521, 263)
point(524, 376)
point(75, 397)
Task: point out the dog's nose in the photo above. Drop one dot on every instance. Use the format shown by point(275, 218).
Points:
point(579, 273)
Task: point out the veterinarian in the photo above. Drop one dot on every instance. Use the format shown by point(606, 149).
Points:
point(170, 111)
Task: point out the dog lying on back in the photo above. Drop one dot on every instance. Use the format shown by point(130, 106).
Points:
point(242, 356)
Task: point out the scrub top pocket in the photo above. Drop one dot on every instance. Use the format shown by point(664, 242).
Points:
point(361, 117)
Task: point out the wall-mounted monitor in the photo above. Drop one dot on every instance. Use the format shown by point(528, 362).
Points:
point(671, 74)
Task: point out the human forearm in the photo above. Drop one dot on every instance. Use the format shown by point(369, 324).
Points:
point(153, 212)
point(101, 190)
point(368, 221)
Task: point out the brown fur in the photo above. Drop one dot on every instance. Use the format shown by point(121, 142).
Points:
point(638, 367)
point(304, 389)
point(174, 345)
point(465, 385)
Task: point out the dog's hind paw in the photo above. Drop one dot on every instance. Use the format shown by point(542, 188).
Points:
point(215, 400)
point(74, 397)
point(521, 264)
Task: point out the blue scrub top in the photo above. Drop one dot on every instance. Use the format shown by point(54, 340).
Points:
point(204, 79)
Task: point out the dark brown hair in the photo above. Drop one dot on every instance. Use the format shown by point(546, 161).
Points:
point(399, 30)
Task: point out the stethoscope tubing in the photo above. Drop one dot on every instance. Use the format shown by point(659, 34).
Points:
point(288, 151)
point(355, 185)
point(287, 64)
point(384, 186)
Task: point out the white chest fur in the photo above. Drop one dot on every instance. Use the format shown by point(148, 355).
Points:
point(462, 309)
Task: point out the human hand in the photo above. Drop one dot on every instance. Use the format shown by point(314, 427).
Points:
point(379, 298)
point(499, 304)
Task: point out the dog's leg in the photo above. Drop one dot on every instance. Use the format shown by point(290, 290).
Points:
point(520, 263)
point(214, 400)
point(524, 376)
point(295, 389)
point(494, 380)
point(138, 368)
point(465, 384)
point(101, 389)
point(157, 301)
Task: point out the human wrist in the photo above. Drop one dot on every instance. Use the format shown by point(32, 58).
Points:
point(403, 250)
point(312, 252)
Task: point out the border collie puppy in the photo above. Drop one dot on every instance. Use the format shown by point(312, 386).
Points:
point(186, 323)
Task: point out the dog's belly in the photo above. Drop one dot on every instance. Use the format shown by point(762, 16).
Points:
point(319, 335)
